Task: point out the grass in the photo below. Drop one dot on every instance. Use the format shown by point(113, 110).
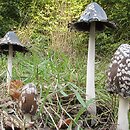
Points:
point(61, 81)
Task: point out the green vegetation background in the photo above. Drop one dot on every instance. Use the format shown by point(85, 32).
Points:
point(59, 55)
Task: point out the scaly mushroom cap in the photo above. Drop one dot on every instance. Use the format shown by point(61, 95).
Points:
point(119, 72)
point(11, 38)
point(93, 13)
point(28, 99)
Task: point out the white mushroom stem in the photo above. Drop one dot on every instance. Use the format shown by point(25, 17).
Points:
point(27, 118)
point(90, 84)
point(9, 69)
point(122, 123)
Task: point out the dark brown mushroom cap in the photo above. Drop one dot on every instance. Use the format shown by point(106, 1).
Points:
point(118, 80)
point(11, 38)
point(93, 13)
point(28, 99)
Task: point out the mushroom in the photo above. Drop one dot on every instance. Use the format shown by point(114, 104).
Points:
point(118, 82)
point(9, 45)
point(28, 101)
point(93, 19)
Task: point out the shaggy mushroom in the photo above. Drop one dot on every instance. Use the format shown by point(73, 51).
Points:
point(118, 82)
point(93, 19)
point(28, 101)
point(9, 44)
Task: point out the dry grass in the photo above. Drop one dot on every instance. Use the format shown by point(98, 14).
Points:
point(57, 113)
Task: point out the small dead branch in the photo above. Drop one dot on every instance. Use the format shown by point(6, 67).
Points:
point(12, 121)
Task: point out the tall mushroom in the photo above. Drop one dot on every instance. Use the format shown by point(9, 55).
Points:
point(93, 19)
point(28, 101)
point(119, 82)
point(9, 45)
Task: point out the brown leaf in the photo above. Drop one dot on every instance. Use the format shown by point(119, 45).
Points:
point(14, 92)
point(63, 123)
point(16, 84)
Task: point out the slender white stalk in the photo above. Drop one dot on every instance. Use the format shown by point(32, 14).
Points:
point(27, 121)
point(9, 69)
point(122, 123)
point(90, 84)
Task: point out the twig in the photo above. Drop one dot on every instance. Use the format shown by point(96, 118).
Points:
point(51, 118)
point(12, 119)
point(2, 126)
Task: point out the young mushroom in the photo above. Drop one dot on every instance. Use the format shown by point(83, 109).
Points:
point(28, 101)
point(119, 82)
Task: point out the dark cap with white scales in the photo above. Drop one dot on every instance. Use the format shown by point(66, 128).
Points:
point(28, 99)
point(119, 72)
point(11, 38)
point(93, 13)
